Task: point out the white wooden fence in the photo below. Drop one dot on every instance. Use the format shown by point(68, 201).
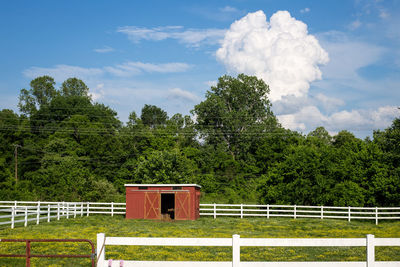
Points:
point(294, 211)
point(18, 212)
point(14, 212)
point(370, 242)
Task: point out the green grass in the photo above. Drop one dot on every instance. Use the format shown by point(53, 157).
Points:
point(88, 227)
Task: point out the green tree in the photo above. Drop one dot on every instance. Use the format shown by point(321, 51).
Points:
point(389, 142)
point(235, 113)
point(74, 87)
point(40, 94)
point(320, 135)
point(165, 167)
point(153, 116)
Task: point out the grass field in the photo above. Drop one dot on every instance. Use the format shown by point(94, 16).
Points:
point(88, 227)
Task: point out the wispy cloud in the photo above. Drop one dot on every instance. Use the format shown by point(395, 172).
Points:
point(355, 25)
point(134, 68)
point(229, 9)
point(347, 57)
point(305, 10)
point(62, 72)
point(383, 14)
point(105, 49)
point(191, 37)
point(177, 93)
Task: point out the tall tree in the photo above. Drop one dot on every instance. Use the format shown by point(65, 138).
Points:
point(75, 87)
point(320, 135)
point(236, 112)
point(153, 116)
point(42, 91)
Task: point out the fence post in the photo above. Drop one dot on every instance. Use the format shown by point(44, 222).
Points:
point(26, 216)
point(48, 213)
point(322, 212)
point(88, 210)
point(294, 212)
point(215, 210)
point(12, 217)
point(38, 213)
point(376, 215)
point(112, 209)
point(81, 209)
point(235, 250)
point(349, 218)
point(370, 251)
point(74, 210)
point(58, 211)
point(67, 210)
point(28, 253)
point(15, 203)
point(100, 249)
point(267, 211)
point(241, 211)
point(63, 208)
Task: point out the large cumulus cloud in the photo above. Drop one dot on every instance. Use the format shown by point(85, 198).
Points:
point(280, 51)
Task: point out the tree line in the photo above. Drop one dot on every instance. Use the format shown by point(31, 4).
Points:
point(63, 146)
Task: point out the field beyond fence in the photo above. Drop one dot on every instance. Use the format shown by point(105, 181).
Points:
point(22, 212)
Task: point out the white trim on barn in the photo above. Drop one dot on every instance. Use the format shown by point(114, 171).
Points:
point(162, 185)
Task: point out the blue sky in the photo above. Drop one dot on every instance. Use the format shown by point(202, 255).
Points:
point(329, 63)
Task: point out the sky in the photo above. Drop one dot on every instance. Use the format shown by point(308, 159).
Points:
point(331, 63)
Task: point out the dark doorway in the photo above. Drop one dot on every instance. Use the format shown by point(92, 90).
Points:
point(168, 205)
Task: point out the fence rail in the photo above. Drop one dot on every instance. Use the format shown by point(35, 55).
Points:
point(298, 211)
point(22, 212)
point(370, 242)
point(28, 255)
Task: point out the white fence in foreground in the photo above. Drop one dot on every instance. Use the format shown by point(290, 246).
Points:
point(14, 212)
point(294, 211)
point(370, 242)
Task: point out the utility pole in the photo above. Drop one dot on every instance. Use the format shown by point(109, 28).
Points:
point(16, 161)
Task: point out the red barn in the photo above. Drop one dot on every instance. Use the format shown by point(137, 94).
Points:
point(157, 201)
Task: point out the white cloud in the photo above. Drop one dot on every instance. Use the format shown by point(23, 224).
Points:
point(291, 104)
point(305, 10)
point(105, 49)
point(192, 37)
point(177, 93)
point(281, 52)
point(357, 120)
point(306, 118)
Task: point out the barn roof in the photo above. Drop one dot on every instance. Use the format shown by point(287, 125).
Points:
point(160, 185)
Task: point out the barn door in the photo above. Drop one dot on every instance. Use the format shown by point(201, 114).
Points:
point(197, 205)
point(182, 206)
point(152, 205)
